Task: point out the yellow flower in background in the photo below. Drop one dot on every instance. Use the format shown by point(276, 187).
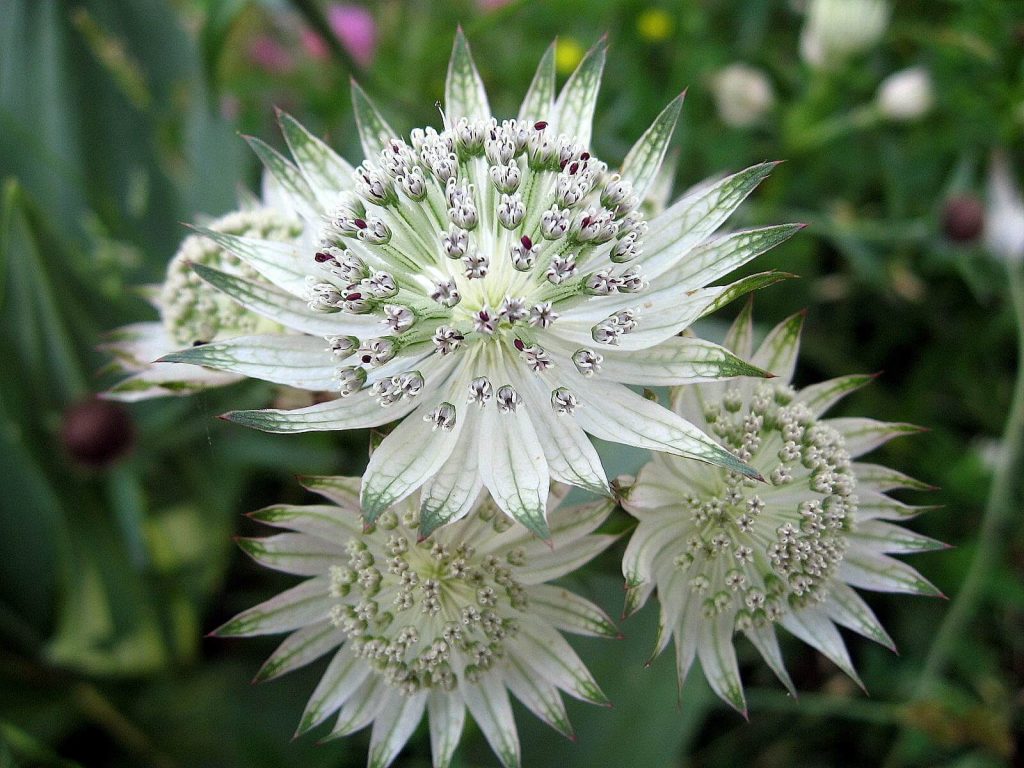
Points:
point(568, 54)
point(654, 25)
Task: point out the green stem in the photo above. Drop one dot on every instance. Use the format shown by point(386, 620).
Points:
point(999, 511)
point(822, 705)
point(99, 710)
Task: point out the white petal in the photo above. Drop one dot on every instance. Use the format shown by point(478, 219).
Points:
point(290, 182)
point(571, 456)
point(538, 696)
point(546, 653)
point(393, 727)
point(881, 479)
point(294, 553)
point(570, 612)
point(464, 94)
point(303, 362)
point(740, 337)
point(814, 627)
point(372, 697)
point(298, 649)
point(489, 705)
point(822, 396)
point(879, 573)
point(718, 660)
point(323, 521)
point(676, 231)
point(308, 603)
point(677, 360)
point(767, 644)
point(513, 467)
point(886, 538)
point(374, 131)
point(343, 677)
point(574, 108)
point(453, 490)
point(288, 309)
point(358, 411)
point(343, 491)
point(323, 169)
point(844, 606)
point(863, 435)
point(281, 264)
point(539, 102)
point(779, 350)
point(640, 168)
point(447, 714)
point(565, 559)
point(406, 459)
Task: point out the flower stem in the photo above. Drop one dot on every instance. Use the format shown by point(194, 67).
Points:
point(997, 515)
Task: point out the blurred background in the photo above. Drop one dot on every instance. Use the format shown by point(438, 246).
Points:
point(119, 121)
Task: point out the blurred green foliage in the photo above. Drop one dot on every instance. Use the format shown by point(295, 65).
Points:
point(118, 121)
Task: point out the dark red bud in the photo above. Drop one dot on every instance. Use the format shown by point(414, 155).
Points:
point(321, 257)
point(963, 218)
point(353, 297)
point(574, 167)
point(519, 344)
point(97, 432)
point(360, 223)
point(585, 156)
point(527, 242)
point(540, 125)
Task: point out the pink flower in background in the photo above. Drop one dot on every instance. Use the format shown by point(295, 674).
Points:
point(354, 26)
point(269, 55)
point(314, 44)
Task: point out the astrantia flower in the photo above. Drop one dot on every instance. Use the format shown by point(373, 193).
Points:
point(194, 313)
point(437, 626)
point(729, 555)
point(494, 286)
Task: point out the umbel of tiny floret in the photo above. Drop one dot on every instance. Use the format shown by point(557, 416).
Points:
point(193, 312)
point(492, 287)
point(440, 626)
point(729, 555)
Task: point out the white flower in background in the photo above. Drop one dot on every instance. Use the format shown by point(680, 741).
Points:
point(1004, 215)
point(437, 626)
point(492, 287)
point(906, 95)
point(743, 95)
point(729, 555)
point(836, 30)
point(193, 312)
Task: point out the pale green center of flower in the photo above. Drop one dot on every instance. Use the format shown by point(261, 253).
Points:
point(756, 552)
point(482, 233)
point(423, 614)
point(194, 312)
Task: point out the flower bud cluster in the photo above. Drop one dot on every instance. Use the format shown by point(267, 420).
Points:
point(423, 614)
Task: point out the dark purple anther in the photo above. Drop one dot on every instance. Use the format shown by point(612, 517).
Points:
point(573, 168)
point(519, 344)
point(585, 156)
point(321, 257)
point(360, 223)
point(527, 242)
point(540, 125)
point(353, 297)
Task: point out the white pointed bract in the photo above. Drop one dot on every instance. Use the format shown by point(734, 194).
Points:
point(513, 276)
point(440, 626)
point(193, 312)
point(730, 555)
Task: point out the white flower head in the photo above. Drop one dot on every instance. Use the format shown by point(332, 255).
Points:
point(836, 30)
point(517, 254)
point(727, 555)
point(906, 95)
point(743, 95)
point(192, 312)
point(432, 626)
point(1004, 215)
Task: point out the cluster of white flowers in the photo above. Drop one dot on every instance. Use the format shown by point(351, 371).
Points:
point(491, 289)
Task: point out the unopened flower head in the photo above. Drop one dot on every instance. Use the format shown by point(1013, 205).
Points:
point(193, 312)
point(502, 262)
point(1004, 216)
point(835, 30)
point(729, 555)
point(906, 95)
point(743, 95)
point(437, 626)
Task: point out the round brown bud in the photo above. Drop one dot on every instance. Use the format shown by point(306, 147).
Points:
point(96, 432)
point(963, 218)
